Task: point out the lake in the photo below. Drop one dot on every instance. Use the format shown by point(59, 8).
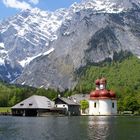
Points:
point(70, 128)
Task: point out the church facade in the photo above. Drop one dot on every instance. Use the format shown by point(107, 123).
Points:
point(102, 101)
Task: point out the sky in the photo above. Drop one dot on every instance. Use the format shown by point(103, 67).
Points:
point(11, 7)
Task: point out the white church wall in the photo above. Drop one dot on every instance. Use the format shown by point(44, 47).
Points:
point(93, 107)
point(114, 107)
point(105, 107)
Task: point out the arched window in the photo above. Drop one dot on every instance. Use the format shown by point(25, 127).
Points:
point(113, 105)
point(95, 105)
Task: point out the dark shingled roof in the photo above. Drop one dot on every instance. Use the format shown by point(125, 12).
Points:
point(80, 97)
point(35, 101)
point(68, 101)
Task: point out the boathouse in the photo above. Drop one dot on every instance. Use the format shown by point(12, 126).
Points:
point(102, 101)
point(69, 106)
point(33, 106)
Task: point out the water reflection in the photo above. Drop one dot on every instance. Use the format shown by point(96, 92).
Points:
point(70, 128)
point(99, 127)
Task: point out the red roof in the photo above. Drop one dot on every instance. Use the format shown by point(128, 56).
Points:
point(103, 81)
point(94, 93)
point(104, 93)
point(97, 82)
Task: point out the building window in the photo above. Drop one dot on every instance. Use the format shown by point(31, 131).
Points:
point(21, 104)
point(112, 105)
point(30, 104)
point(94, 105)
point(49, 103)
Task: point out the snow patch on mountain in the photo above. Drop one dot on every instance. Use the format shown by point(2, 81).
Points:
point(26, 61)
point(2, 45)
point(46, 23)
point(100, 6)
point(3, 53)
point(1, 61)
point(8, 76)
point(105, 6)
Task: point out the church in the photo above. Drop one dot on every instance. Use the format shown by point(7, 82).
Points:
point(102, 101)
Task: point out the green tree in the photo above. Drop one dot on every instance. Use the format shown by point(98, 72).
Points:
point(131, 103)
point(84, 105)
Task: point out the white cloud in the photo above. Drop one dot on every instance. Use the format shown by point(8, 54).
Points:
point(17, 4)
point(34, 1)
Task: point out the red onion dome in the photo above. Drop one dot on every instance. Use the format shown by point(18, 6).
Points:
point(112, 94)
point(97, 82)
point(94, 93)
point(104, 93)
point(103, 81)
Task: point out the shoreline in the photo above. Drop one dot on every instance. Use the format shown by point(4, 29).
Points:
point(123, 115)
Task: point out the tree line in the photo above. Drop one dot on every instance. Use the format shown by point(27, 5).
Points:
point(13, 94)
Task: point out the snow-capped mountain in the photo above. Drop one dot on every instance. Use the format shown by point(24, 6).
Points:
point(3, 53)
point(26, 36)
point(105, 6)
point(47, 48)
point(30, 32)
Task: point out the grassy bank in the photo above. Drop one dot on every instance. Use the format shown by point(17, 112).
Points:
point(5, 109)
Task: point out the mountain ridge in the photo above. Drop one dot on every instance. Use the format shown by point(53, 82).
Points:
point(90, 31)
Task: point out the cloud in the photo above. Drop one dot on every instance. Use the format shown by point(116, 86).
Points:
point(34, 1)
point(16, 4)
point(19, 4)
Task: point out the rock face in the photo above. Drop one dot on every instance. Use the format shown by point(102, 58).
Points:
point(25, 37)
point(89, 32)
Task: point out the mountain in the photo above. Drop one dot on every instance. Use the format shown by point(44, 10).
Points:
point(49, 48)
point(26, 36)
